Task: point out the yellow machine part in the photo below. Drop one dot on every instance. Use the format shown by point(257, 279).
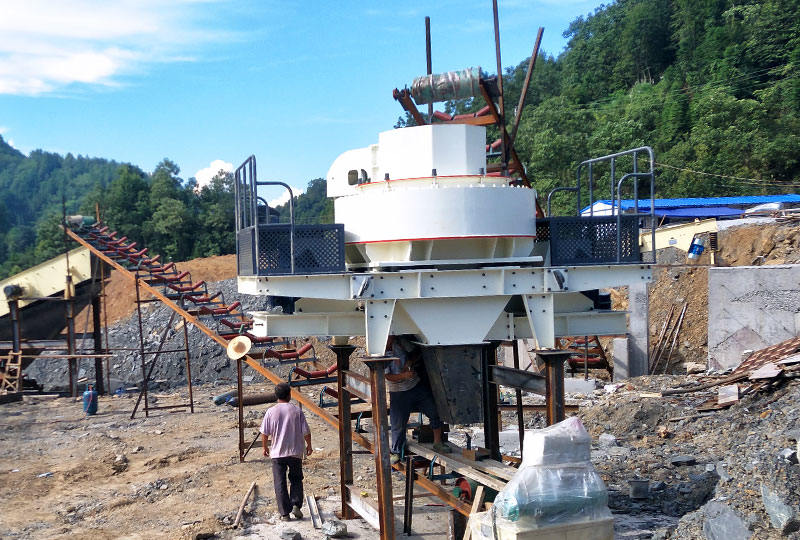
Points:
point(49, 277)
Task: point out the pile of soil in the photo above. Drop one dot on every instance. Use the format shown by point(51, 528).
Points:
point(121, 294)
point(677, 280)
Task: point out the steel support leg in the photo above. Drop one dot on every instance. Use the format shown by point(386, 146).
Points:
point(97, 337)
point(554, 380)
point(141, 350)
point(188, 365)
point(491, 425)
point(239, 397)
point(518, 398)
point(409, 498)
point(72, 362)
point(380, 423)
point(343, 353)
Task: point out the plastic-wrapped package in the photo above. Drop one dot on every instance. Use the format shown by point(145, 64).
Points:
point(553, 494)
point(556, 482)
point(565, 442)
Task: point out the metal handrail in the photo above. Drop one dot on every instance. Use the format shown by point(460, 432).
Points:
point(636, 213)
point(246, 209)
point(563, 188)
point(616, 186)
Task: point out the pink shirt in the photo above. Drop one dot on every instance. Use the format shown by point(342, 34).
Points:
point(286, 426)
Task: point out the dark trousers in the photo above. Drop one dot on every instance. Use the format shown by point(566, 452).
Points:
point(288, 498)
point(402, 404)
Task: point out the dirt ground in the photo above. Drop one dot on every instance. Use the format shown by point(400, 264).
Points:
point(172, 475)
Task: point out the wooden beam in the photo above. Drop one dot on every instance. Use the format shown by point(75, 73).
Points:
point(457, 466)
point(485, 120)
point(477, 503)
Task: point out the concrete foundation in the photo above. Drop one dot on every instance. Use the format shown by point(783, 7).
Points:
point(620, 358)
point(749, 308)
point(639, 330)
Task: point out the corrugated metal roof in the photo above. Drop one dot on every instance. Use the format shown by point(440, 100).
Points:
point(690, 202)
point(704, 212)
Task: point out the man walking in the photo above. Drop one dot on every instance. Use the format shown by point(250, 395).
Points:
point(285, 427)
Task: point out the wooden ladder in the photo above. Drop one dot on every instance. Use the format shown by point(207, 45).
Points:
point(11, 380)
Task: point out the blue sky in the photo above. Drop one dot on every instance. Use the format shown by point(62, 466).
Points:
point(206, 83)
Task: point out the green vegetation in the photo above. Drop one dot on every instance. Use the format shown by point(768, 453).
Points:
point(161, 211)
point(711, 85)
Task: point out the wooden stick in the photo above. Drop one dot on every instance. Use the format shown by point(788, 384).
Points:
point(657, 344)
point(664, 344)
point(659, 350)
point(244, 502)
point(477, 504)
point(675, 336)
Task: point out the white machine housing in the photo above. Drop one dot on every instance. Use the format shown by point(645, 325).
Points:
point(437, 248)
point(421, 194)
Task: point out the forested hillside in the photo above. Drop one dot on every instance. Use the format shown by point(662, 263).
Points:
point(713, 86)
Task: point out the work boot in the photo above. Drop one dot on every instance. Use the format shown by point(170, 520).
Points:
point(394, 459)
point(442, 448)
point(297, 513)
point(287, 517)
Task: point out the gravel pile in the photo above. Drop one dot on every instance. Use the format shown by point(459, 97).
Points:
point(726, 474)
point(209, 363)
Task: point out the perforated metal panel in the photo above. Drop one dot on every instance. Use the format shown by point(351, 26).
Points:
point(244, 252)
point(318, 249)
point(592, 240)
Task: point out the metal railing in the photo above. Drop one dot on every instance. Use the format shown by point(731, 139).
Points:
point(616, 189)
point(266, 248)
point(246, 195)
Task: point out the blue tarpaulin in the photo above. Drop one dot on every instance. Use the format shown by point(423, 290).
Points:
point(697, 204)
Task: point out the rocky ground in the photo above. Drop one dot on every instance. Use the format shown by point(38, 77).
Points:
point(172, 475)
point(725, 474)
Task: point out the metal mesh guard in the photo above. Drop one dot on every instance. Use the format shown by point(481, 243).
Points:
point(318, 249)
point(244, 252)
point(593, 240)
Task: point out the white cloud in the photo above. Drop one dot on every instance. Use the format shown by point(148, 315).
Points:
point(204, 175)
point(48, 45)
point(284, 196)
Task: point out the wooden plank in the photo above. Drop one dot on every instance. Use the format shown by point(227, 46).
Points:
point(477, 504)
point(363, 508)
point(241, 506)
point(488, 466)
point(458, 466)
point(313, 510)
point(475, 121)
point(767, 371)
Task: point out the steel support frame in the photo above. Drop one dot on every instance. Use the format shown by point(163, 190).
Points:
point(147, 372)
point(432, 487)
point(467, 283)
point(69, 307)
point(13, 362)
point(380, 425)
point(343, 353)
point(554, 361)
point(97, 338)
point(490, 401)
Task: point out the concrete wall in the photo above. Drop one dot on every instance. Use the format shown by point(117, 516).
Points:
point(750, 307)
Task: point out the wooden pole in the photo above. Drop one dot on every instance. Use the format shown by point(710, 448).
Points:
point(241, 506)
